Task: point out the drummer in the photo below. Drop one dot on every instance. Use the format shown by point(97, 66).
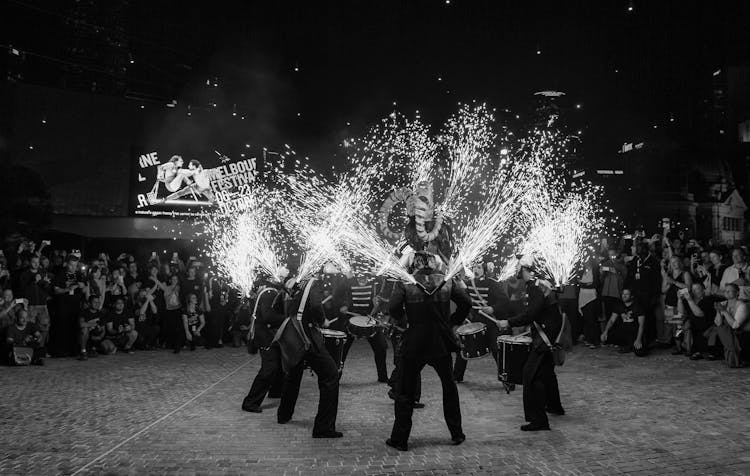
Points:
point(489, 303)
point(268, 314)
point(541, 394)
point(360, 293)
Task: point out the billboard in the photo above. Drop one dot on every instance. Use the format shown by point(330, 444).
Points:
point(168, 184)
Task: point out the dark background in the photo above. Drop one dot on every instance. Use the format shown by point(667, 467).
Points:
point(310, 74)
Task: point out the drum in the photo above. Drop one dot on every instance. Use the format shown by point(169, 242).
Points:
point(361, 326)
point(513, 353)
point(474, 341)
point(335, 341)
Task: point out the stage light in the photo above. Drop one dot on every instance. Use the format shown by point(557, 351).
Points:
point(578, 106)
point(243, 118)
point(247, 146)
point(143, 107)
point(518, 117)
point(44, 120)
point(130, 57)
point(631, 7)
point(348, 123)
point(188, 111)
point(538, 52)
point(299, 114)
point(242, 155)
point(440, 78)
point(31, 147)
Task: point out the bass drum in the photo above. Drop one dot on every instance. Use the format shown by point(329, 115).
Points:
point(474, 340)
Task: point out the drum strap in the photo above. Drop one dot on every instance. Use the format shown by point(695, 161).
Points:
point(254, 316)
point(302, 303)
point(543, 334)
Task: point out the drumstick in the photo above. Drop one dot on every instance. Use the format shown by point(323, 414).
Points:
point(491, 318)
point(327, 299)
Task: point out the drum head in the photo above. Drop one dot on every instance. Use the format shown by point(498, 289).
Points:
point(471, 328)
point(332, 333)
point(515, 339)
point(362, 321)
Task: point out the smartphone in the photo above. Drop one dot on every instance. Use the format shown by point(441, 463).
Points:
point(46, 242)
point(153, 254)
point(19, 301)
point(627, 237)
point(665, 223)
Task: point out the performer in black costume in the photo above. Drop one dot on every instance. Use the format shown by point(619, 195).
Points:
point(319, 360)
point(428, 340)
point(267, 317)
point(487, 299)
point(360, 293)
point(541, 394)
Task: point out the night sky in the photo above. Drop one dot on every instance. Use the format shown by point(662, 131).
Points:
point(629, 69)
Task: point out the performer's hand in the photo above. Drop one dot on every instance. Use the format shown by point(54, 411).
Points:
point(504, 324)
point(455, 330)
point(343, 309)
point(604, 337)
point(488, 310)
point(637, 345)
point(189, 337)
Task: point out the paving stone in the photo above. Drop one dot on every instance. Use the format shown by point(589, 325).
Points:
point(160, 413)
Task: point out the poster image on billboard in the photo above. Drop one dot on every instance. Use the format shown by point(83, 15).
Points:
point(181, 187)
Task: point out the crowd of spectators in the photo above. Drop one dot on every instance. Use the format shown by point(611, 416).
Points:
point(58, 303)
point(665, 291)
point(639, 294)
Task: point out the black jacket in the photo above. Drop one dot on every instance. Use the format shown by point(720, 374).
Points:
point(429, 335)
point(544, 311)
point(268, 316)
point(313, 313)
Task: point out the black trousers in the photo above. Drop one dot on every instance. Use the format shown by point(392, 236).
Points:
point(540, 388)
point(328, 385)
point(624, 335)
point(404, 409)
point(270, 378)
point(592, 330)
point(379, 346)
point(398, 367)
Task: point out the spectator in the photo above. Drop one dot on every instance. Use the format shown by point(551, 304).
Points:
point(146, 319)
point(699, 312)
point(7, 303)
point(588, 304)
point(626, 326)
point(91, 329)
point(241, 322)
point(131, 276)
point(612, 273)
point(115, 288)
point(120, 326)
point(97, 285)
point(173, 313)
point(733, 326)
point(193, 322)
point(643, 280)
point(191, 283)
point(35, 285)
point(219, 316)
point(674, 278)
point(737, 273)
point(23, 334)
point(69, 287)
point(715, 271)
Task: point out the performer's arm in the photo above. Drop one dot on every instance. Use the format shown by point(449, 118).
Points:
point(536, 302)
point(463, 305)
point(396, 304)
point(497, 299)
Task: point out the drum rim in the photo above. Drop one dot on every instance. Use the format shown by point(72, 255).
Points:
point(367, 320)
point(332, 333)
point(482, 327)
point(509, 339)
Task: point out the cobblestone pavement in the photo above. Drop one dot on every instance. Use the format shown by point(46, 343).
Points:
point(159, 413)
